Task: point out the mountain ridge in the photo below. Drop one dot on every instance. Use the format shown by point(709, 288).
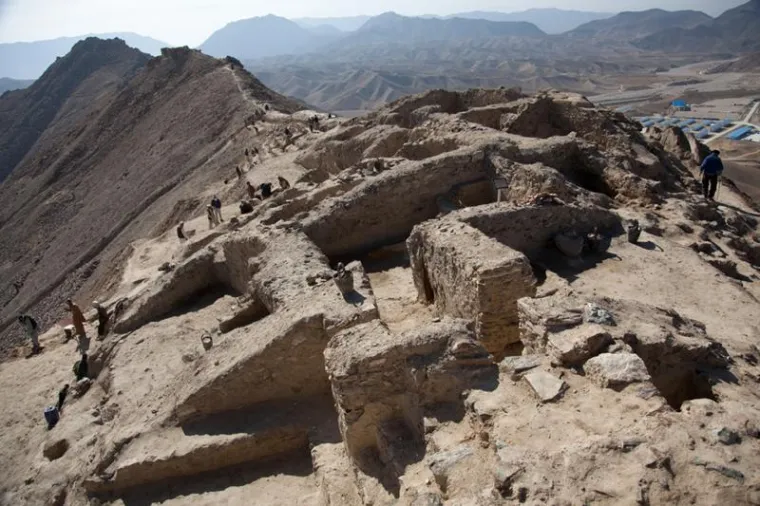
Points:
point(261, 37)
point(28, 60)
point(634, 25)
point(22, 122)
point(736, 30)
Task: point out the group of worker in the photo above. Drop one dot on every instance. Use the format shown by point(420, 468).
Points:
point(81, 366)
point(32, 327)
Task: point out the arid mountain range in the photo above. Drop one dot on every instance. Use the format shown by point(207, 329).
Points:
point(736, 30)
point(382, 61)
point(551, 21)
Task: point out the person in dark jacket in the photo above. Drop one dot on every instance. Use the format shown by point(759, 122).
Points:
point(216, 204)
point(62, 397)
point(82, 368)
point(711, 169)
point(102, 319)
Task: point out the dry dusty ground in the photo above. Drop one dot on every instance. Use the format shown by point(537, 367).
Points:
point(594, 445)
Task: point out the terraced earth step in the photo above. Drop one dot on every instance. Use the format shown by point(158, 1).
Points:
point(217, 442)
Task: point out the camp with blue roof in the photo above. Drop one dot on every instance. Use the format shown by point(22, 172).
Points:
point(740, 133)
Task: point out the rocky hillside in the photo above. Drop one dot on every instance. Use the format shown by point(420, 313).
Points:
point(394, 28)
point(634, 25)
point(549, 20)
point(69, 89)
point(736, 30)
point(106, 156)
point(749, 64)
point(475, 298)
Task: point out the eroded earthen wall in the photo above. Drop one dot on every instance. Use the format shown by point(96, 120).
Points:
point(384, 209)
point(529, 229)
point(469, 275)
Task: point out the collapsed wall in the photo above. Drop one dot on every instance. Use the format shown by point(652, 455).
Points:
point(677, 352)
point(379, 377)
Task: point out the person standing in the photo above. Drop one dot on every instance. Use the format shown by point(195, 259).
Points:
point(710, 170)
point(211, 217)
point(251, 190)
point(102, 319)
point(181, 231)
point(217, 205)
point(32, 330)
point(77, 318)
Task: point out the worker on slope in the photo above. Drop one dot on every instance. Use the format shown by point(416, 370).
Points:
point(31, 327)
point(211, 217)
point(251, 190)
point(102, 319)
point(710, 170)
point(181, 231)
point(216, 203)
point(77, 318)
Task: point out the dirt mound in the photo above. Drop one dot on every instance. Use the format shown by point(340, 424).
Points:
point(440, 306)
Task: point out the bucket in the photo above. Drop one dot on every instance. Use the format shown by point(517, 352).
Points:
point(51, 416)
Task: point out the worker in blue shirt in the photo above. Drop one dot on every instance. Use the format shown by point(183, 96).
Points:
point(711, 168)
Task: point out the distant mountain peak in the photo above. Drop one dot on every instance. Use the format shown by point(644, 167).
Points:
point(28, 60)
point(261, 37)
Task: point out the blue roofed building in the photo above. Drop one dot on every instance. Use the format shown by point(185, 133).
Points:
point(740, 133)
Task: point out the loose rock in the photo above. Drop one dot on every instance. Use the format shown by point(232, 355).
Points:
point(616, 370)
point(593, 313)
point(728, 436)
point(518, 365)
point(575, 346)
point(546, 386)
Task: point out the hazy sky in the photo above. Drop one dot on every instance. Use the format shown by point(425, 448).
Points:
point(190, 22)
